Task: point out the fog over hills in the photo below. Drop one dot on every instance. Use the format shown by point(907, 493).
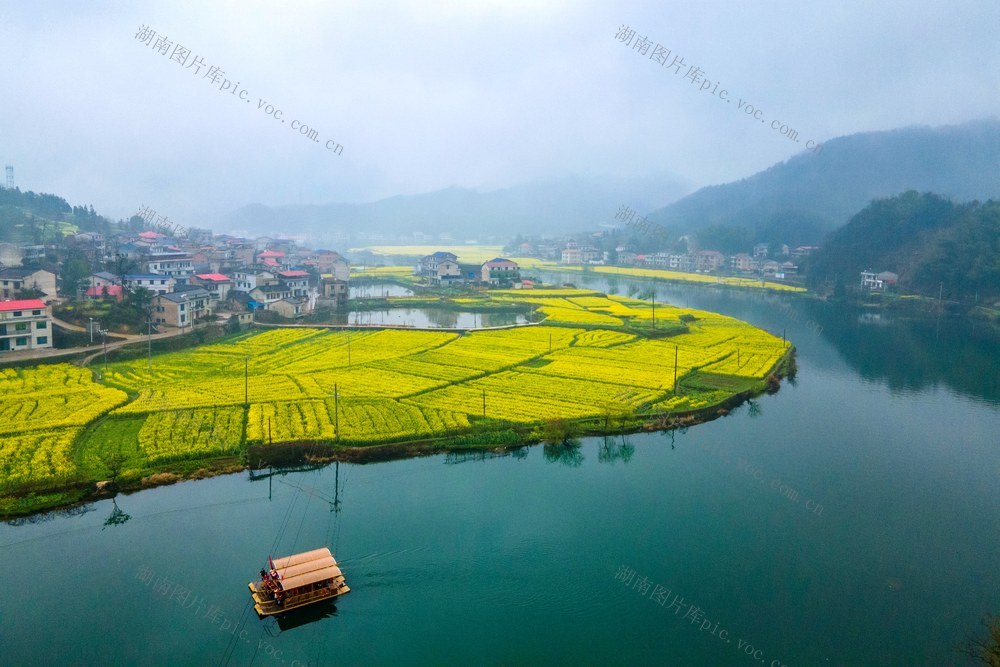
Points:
point(797, 201)
point(570, 204)
point(802, 199)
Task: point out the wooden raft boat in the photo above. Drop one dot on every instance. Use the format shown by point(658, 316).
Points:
point(297, 581)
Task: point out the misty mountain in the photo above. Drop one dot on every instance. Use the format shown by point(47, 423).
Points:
point(936, 246)
point(801, 200)
point(567, 205)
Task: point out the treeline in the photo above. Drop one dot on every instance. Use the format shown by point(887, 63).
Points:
point(935, 246)
point(27, 217)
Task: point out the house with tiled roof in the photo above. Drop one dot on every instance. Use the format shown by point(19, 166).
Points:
point(296, 281)
point(181, 309)
point(500, 270)
point(14, 281)
point(154, 282)
point(96, 293)
point(216, 284)
point(25, 325)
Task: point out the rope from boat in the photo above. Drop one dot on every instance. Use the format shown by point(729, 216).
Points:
point(227, 655)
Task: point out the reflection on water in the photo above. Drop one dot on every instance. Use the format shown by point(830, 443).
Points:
point(911, 354)
point(908, 353)
point(568, 453)
point(615, 448)
point(306, 615)
point(377, 290)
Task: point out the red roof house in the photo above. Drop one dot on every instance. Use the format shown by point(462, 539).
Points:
point(26, 304)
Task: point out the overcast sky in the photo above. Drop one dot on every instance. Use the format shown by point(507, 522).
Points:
point(423, 95)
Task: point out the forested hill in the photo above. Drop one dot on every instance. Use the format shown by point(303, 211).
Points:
point(27, 217)
point(801, 200)
point(927, 239)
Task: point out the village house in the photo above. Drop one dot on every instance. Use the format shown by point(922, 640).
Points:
point(743, 263)
point(291, 307)
point(570, 255)
point(295, 281)
point(216, 284)
point(707, 261)
point(103, 279)
point(265, 295)
point(499, 270)
point(331, 263)
point(470, 273)
point(333, 293)
point(878, 281)
point(627, 257)
point(181, 309)
point(104, 292)
point(25, 325)
point(272, 259)
point(14, 281)
point(429, 266)
point(157, 254)
point(770, 268)
point(154, 282)
point(248, 280)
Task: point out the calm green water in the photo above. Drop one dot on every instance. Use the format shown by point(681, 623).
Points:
point(850, 519)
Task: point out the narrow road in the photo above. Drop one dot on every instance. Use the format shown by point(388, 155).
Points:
point(96, 349)
point(79, 329)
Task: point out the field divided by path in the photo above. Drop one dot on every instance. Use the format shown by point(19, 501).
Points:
point(64, 425)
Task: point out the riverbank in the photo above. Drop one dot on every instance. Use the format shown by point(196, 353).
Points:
point(502, 439)
point(597, 364)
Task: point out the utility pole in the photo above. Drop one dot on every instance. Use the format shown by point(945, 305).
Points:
point(654, 304)
point(676, 354)
point(91, 330)
point(246, 381)
point(149, 346)
point(484, 403)
point(104, 338)
point(348, 348)
point(336, 413)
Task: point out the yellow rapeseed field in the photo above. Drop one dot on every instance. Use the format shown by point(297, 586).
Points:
point(593, 356)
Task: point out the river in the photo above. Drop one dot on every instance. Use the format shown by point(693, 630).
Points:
point(849, 519)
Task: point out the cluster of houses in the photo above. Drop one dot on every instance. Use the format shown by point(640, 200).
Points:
point(443, 268)
point(193, 278)
point(757, 262)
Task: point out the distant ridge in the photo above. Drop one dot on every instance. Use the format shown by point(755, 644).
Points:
point(802, 199)
point(571, 204)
